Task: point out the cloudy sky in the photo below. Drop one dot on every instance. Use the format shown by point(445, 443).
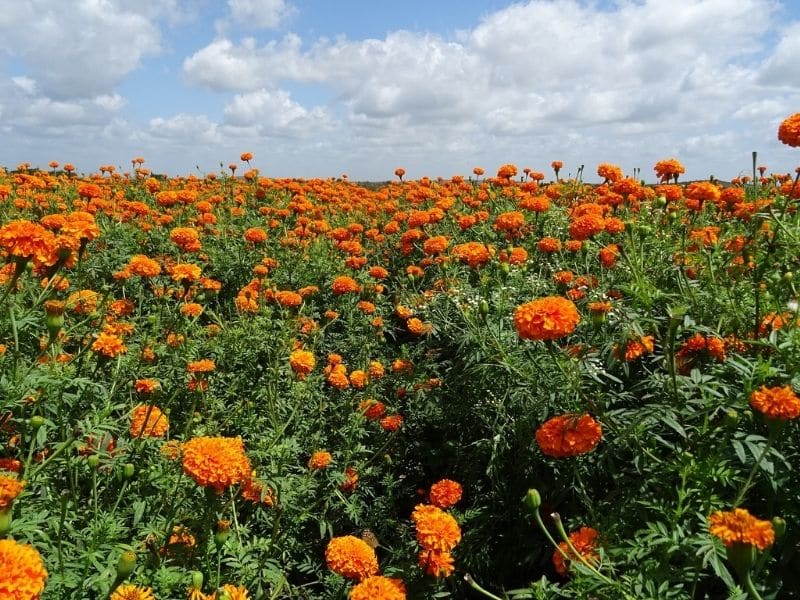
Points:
point(317, 88)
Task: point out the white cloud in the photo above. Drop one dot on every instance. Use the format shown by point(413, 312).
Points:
point(275, 113)
point(77, 49)
point(259, 14)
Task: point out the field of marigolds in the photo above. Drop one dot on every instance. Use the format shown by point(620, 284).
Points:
point(511, 386)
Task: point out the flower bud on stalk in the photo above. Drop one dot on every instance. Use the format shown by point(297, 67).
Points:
point(126, 564)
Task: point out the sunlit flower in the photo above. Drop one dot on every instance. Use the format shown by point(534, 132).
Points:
point(23, 575)
point(776, 402)
point(436, 529)
point(351, 557)
point(378, 587)
point(740, 527)
point(216, 462)
point(569, 435)
point(547, 318)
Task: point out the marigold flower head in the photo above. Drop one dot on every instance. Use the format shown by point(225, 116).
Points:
point(668, 169)
point(548, 245)
point(148, 421)
point(379, 587)
point(10, 487)
point(288, 299)
point(128, 591)
point(319, 460)
point(789, 131)
point(547, 318)
point(445, 493)
point(436, 529)
point(146, 386)
point(740, 527)
point(143, 266)
point(23, 574)
point(186, 272)
point(473, 254)
point(391, 422)
point(345, 285)
point(216, 462)
point(584, 541)
point(372, 409)
point(109, 345)
point(257, 491)
point(568, 435)
point(586, 225)
point(436, 564)
point(776, 402)
point(351, 557)
point(204, 365)
point(302, 362)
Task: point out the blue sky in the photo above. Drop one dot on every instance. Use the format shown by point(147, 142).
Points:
point(317, 89)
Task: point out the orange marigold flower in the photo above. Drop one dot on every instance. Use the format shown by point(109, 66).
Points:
point(569, 435)
point(128, 591)
point(509, 222)
point(378, 273)
point(378, 587)
point(350, 480)
point(204, 365)
point(417, 327)
point(436, 529)
point(436, 564)
point(789, 131)
point(23, 574)
point(10, 464)
point(776, 402)
point(585, 226)
point(445, 493)
point(215, 462)
point(257, 492)
point(548, 245)
point(148, 421)
point(392, 422)
point(109, 345)
point(474, 254)
point(186, 238)
point(345, 285)
point(83, 302)
point(10, 487)
point(186, 272)
point(302, 362)
point(435, 245)
point(143, 266)
point(191, 309)
point(635, 349)
point(288, 299)
point(668, 169)
point(611, 173)
point(319, 460)
point(584, 541)
point(336, 375)
point(547, 318)
point(372, 409)
point(376, 369)
point(351, 557)
point(359, 379)
point(740, 527)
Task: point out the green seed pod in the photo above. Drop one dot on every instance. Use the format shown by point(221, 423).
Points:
point(5, 521)
point(779, 525)
point(197, 580)
point(505, 268)
point(128, 470)
point(126, 564)
point(532, 500)
point(483, 307)
point(36, 421)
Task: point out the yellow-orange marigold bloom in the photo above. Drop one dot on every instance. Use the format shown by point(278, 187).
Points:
point(611, 173)
point(345, 285)
point(379, 587)
point(191, 309)
point(257, 491)
point(148, 421)
point(445, 493)
point(569, 435)
point(740, 527)
point(392, 422)
point(288, 299)
point(186, 272)
point(23, 574)
point(216, 462)
point(372, 409)
point(359, 379)
point(436, 529)
point(302, 362)
point(776, 402)
point(417, 326)
point(789, 131)
point(584, 541)
point(10, 487)
point(635, 349)
point(146, 386)
point(319, 460)
point(474, 254)
point(436, 564)
point(376, 369)
point(143, 266)
point(351, 557)
point(132, 592)
point(435, 245)
point(667, 169)
point(585, 226)
point(547, 318)
point(109, 345)
point(204, 365)
point(378, 273)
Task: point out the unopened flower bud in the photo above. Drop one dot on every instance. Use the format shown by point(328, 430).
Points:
point(532, 500)
point(126, 564)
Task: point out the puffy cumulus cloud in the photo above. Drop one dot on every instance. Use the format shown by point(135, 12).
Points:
point(536, 71)
point(259, 14)
point(267, 112)
point(184, 130)
point(78, 49)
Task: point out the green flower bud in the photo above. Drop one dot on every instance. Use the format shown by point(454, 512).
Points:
point(5, 521)
point(532, 500)
point(779, 525)
point(36, 421)
point(93, 461)
point(126, 564)
point(197, 580)
point(128, 470)
point(731, 418)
